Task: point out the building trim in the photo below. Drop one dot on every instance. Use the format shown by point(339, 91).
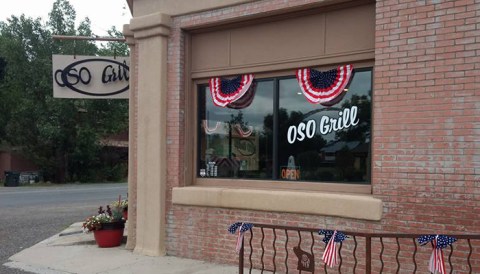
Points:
point(156, 24)
point(364, 207)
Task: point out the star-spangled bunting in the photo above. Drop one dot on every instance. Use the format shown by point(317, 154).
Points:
point(325, 88)
point(330, 255)
point(339, 236)
point(246, 100)
point(225, 91)
point(437, 263)
point(242, 228)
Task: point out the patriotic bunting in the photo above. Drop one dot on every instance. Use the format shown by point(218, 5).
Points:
point(325, 88)
point(246, 100)
point(226, 91)
point(330, 255)
point(436, 263)
point(242, 228)
point(219, 128)
point(208, 130)
point(244, 133)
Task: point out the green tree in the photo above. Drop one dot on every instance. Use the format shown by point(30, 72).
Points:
point(60, 135)
point(114, 48)
point(362, 130)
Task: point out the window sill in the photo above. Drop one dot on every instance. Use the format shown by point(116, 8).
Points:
point(329, 204)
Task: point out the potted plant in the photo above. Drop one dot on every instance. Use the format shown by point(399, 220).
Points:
point(107, 226)
point(123, 205)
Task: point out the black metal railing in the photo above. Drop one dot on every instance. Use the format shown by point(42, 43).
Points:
point(285, 249)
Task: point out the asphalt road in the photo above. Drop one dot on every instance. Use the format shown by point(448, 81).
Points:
point(29, 215)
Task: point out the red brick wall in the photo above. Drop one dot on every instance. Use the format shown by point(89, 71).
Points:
point(5, 163)
point(426, 115)
point(10, 161)
point(426, 122)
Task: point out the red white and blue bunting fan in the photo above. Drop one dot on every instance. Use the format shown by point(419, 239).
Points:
point(208, 130)
point(225, 91)
point(439, 242)
point(244, 133)
point(325, 88)
point(330, 255)
point(246, 100)
point(242, 228)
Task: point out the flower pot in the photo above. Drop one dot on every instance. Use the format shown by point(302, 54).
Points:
point(110, 235)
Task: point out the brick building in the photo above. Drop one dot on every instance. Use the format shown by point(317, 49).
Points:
point(407, 161)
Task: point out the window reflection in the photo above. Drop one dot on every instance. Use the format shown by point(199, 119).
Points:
point(325, 143)
point(312, 143)
point(234, 141)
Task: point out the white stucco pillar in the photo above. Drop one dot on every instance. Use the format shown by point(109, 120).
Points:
point(151, 36)
point(132, 133)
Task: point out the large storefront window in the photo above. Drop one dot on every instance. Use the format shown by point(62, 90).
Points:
point(276, 134)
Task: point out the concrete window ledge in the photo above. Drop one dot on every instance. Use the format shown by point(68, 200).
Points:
point(329, 204)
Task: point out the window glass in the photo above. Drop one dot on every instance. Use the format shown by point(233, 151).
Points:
point(237, 142)
point(279, 135)
point(325, 143)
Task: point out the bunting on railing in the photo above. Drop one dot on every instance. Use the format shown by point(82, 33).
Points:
point(242, 228)
point(330, 255)
point(225, 91)
point(325, 88)
point(439, 242)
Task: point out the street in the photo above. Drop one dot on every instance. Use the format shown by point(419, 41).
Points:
point(29, 215)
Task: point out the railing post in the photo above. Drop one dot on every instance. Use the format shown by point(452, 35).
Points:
point(240, 259)
point(368, 254)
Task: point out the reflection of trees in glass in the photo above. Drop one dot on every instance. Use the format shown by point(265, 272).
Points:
point(309, 148)
point(237, 119)
point(266, 150)
point(360, 132)
point(337, 156)
point(345, 158)
point(306, 152)
point(216, 145)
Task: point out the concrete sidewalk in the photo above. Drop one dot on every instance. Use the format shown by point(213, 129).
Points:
point(73, 252)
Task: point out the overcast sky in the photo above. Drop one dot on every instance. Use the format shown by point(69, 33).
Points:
point(102, 13)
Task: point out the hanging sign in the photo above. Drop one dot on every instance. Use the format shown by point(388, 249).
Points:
point(90, 77)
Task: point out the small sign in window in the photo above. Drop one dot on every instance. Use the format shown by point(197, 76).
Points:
point(290, 173)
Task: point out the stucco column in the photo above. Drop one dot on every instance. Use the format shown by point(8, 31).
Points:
point(151, 35)
point(132, 137)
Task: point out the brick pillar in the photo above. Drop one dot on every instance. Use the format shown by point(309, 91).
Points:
point(151, 36)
